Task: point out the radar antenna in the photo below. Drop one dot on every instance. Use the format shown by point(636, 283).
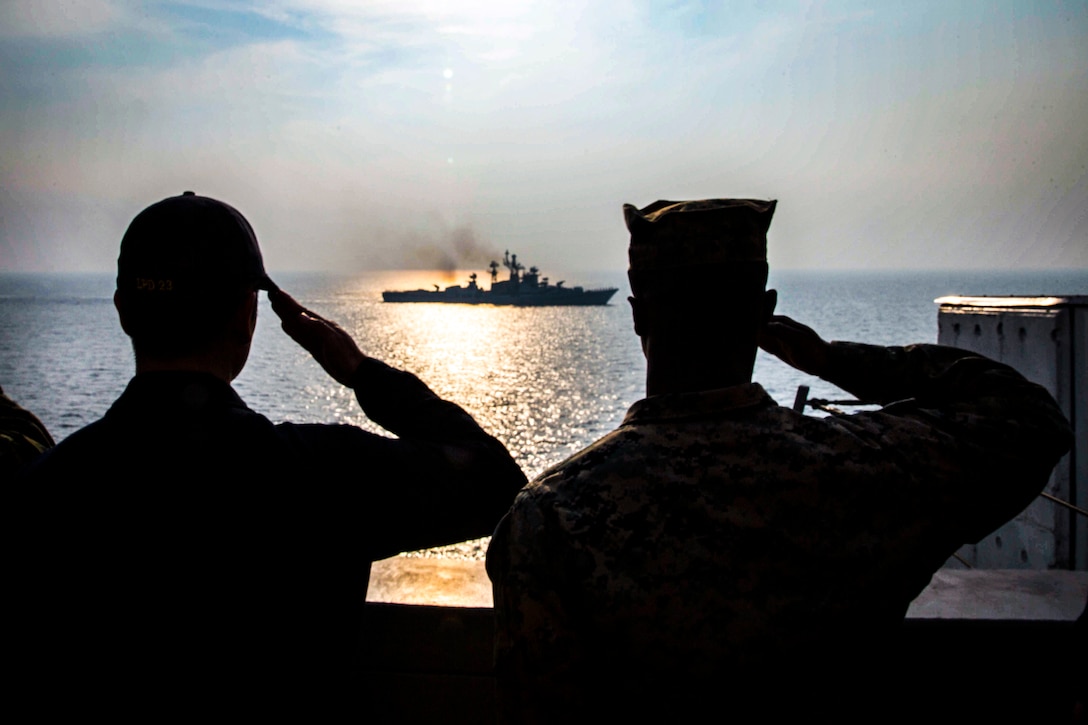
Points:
point(511, 263)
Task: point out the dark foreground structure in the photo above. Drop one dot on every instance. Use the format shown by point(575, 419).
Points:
point(986, 647)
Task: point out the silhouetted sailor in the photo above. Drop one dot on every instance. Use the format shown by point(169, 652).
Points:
point(721, 555)
point(186, 551)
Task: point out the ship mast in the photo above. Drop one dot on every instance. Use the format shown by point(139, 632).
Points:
point(511, 263)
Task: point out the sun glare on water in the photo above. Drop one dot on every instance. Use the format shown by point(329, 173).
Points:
point(530, 376)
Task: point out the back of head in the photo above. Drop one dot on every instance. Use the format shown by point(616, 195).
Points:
point(690, 260)
point(185, 264)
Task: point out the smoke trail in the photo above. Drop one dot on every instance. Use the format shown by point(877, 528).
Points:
point(458, 248)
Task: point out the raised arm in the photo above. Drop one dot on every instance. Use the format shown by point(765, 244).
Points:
point(928, 376)
point(394, 399)
point(329, 344)
point(442, 480)
point(946, 410)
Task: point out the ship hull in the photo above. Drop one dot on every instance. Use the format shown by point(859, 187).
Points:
point(549, 298)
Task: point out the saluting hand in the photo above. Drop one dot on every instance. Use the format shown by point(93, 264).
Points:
point(795, 344)
point(327, 342)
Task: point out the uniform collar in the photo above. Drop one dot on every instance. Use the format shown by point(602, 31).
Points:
point(178, 392)
point(703, 404)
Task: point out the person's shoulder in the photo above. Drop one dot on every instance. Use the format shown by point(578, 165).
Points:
point(584, 487)
point(73, 453)
point(569, 473)
point(312, 439)
point(612, 449)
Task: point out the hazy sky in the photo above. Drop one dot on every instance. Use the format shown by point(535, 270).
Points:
point(375, 134)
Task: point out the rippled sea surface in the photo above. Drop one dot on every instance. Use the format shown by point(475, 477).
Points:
point(545, 381)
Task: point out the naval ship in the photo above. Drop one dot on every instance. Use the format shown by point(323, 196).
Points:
point(524, 288)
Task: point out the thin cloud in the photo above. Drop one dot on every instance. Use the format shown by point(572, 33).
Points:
point(51, 20)
point(891, 136)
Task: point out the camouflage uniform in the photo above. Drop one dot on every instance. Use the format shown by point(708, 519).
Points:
point(716, 537)
point(22, 436)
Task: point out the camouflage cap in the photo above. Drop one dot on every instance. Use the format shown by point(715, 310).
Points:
point(676, 234)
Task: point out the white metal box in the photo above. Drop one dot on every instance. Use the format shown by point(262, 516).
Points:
point(1046, 339)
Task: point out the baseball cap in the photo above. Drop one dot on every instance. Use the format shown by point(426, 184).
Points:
point(189, 247)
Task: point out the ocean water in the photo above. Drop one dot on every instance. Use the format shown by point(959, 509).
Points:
point(545, 381)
